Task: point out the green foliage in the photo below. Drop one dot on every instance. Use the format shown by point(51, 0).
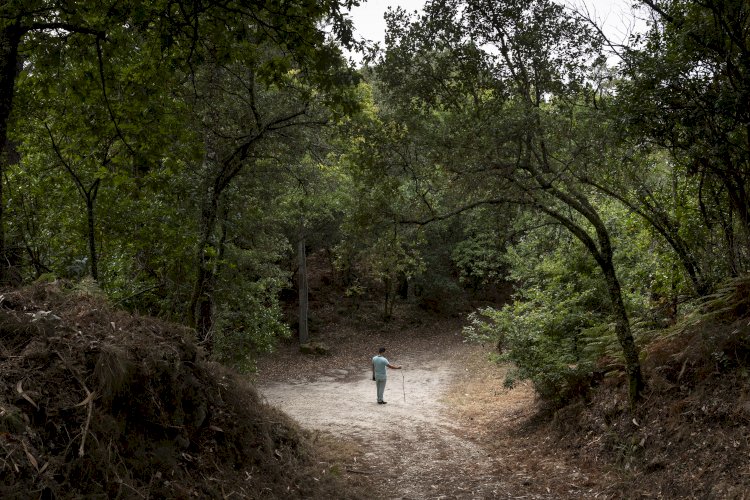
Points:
point(477, 258)
point(137, 122)
point(377, 249)
point(380, 262)
point(186, 151)
point(683, 89)
point(249, 320)
point(545, 331)
point(88, 286)
point(479, 255)
point(542, 342)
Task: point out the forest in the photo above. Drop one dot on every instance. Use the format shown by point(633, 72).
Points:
point(184, 160)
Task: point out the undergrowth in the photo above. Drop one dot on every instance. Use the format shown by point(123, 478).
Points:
point(689, 437)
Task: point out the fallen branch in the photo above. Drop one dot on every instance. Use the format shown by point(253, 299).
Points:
point(32, 460)
point(123, 483)
point(90, 400)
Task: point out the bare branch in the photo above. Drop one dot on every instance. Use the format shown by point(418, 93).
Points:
point(106, 99)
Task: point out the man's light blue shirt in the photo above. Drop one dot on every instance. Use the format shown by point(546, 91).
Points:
point(380, 364)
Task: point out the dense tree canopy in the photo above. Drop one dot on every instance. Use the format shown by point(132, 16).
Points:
point(188, 156)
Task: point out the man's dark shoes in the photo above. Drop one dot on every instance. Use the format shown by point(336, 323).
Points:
point(381, 402)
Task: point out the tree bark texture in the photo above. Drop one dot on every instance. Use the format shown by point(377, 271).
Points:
point(604, 258)
point(601, 250)
point(624, 334)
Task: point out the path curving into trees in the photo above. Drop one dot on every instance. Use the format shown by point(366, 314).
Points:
point(449, 430)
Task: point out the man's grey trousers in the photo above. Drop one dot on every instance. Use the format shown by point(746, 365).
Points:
point(381, 388)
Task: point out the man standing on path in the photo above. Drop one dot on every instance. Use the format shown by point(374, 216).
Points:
point(379, 365)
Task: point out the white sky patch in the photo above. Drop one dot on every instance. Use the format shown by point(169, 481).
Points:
point(616, 17)
point(368, 17)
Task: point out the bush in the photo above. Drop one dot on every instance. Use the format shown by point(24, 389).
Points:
point(546, 331)
point(248, 321)
point(248, 317)
point(544, 346)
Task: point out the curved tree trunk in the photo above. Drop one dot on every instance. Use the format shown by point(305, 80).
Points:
point(624, 334)
point(669, 230)
point(601, 250)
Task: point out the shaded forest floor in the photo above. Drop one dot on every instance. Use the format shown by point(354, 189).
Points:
point(451, 430)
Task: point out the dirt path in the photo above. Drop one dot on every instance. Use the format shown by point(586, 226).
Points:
point(449, 429)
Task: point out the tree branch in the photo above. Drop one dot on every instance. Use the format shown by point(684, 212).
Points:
point(106, 98)
point(460, 210)
point(67, 166)
point(72, 28)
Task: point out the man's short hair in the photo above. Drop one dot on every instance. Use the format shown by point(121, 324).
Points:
point(381, 350)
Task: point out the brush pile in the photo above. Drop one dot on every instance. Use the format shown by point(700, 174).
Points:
point(98, 403)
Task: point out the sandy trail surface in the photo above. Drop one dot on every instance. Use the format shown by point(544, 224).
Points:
point(432, 440)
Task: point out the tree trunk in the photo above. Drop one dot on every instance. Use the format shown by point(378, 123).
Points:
point(603, 254)
point(220, 257)
point(738, 200)
point(624, 334)
point(90, 218)
point(387, 304)
point(604, 258)
point(302, 285)
point(200, 310)
point(403, 286)
point(668, 228)
point(10, 38)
